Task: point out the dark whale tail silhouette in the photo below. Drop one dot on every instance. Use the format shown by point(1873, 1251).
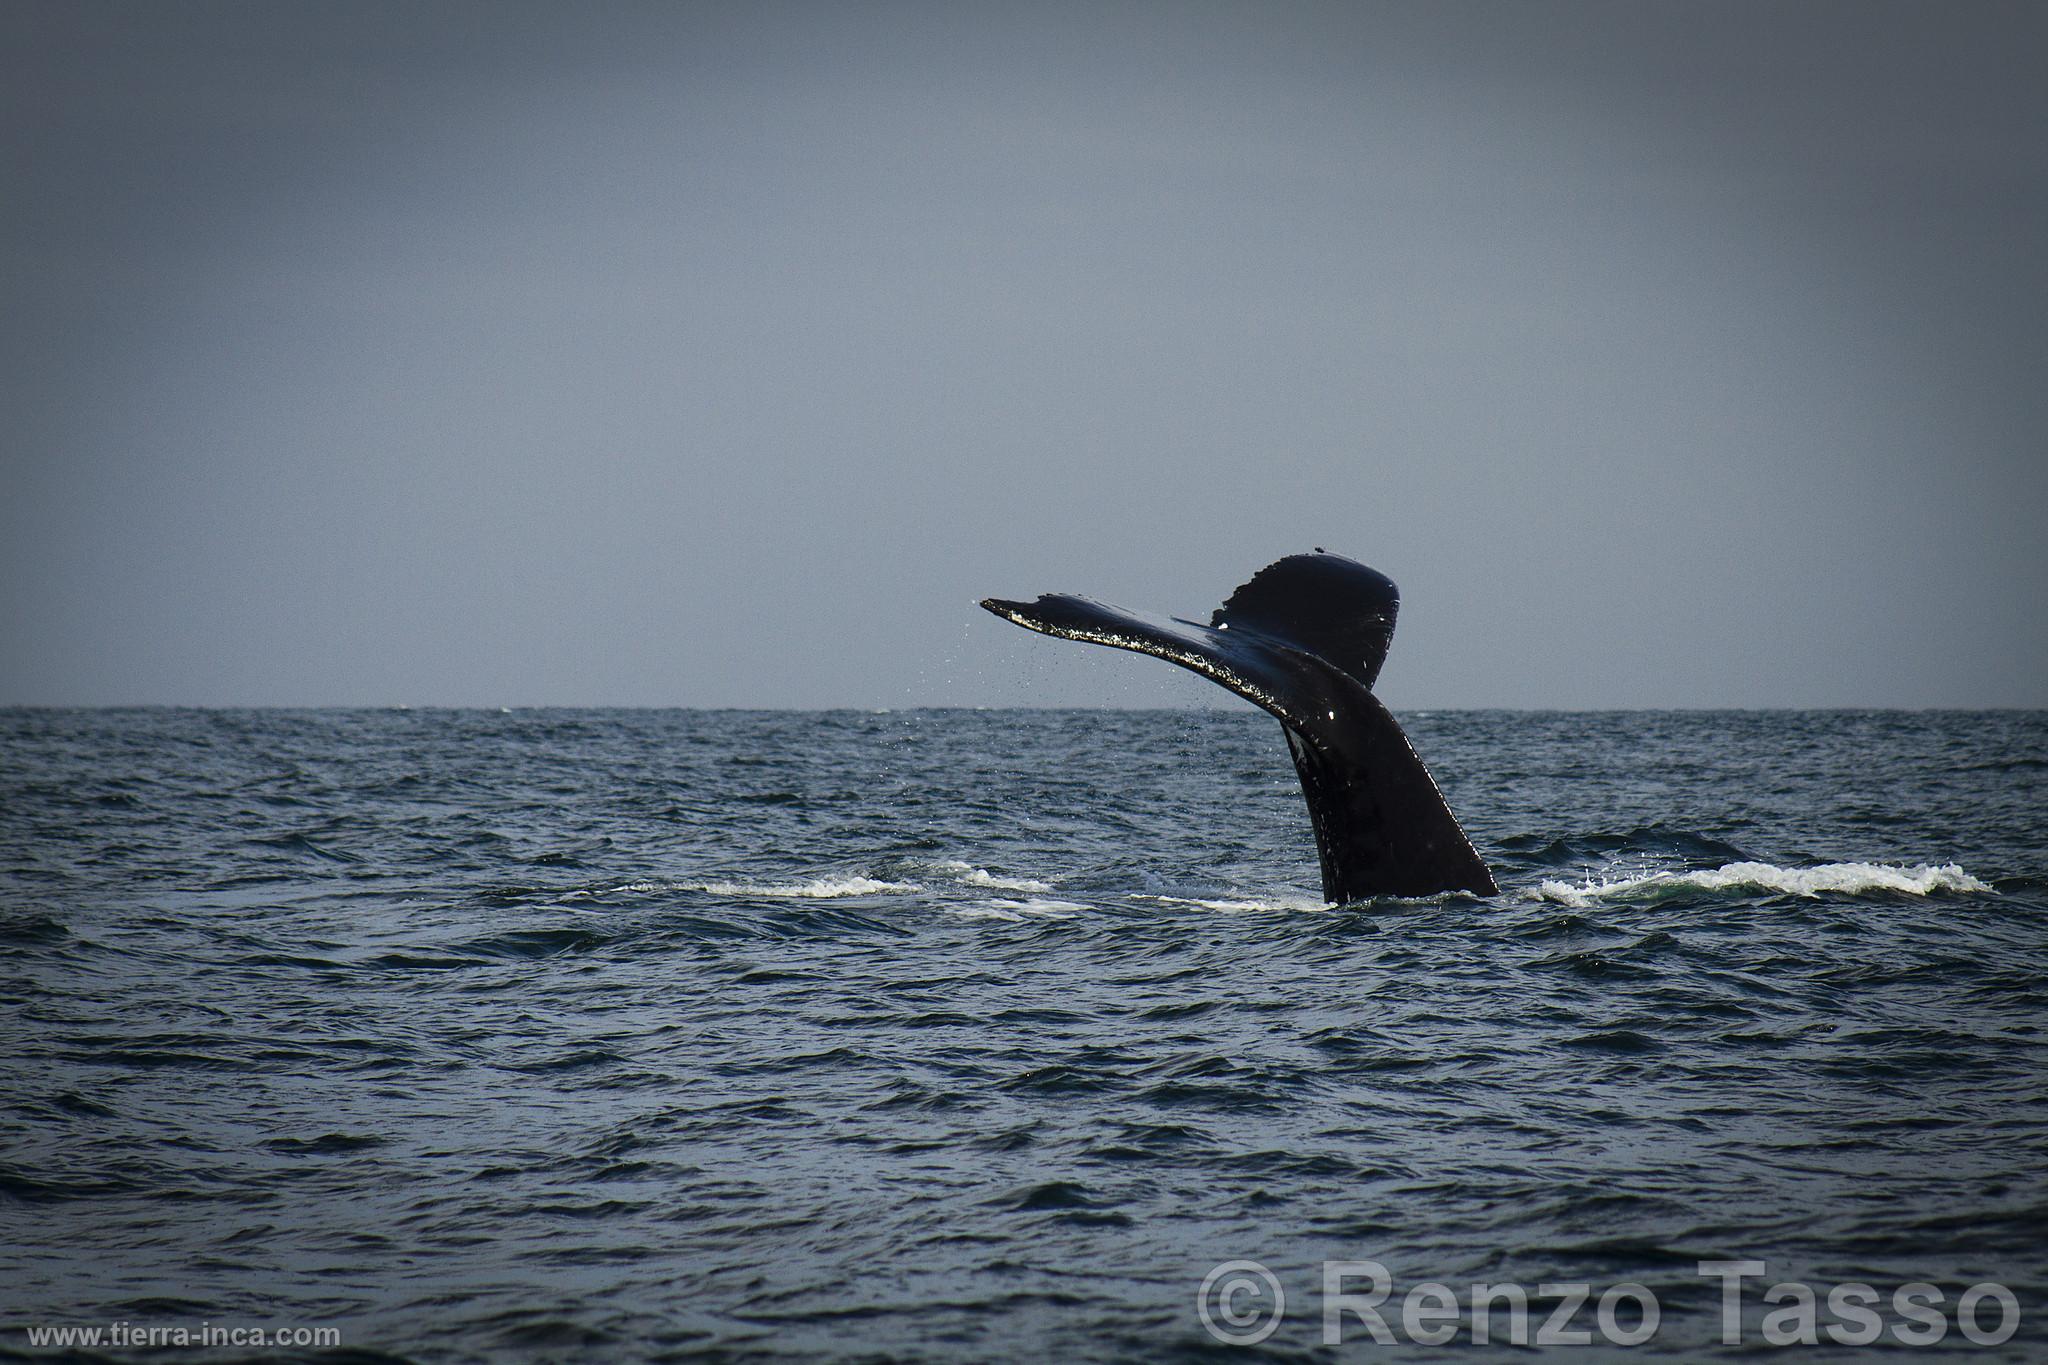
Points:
point(1304, 639)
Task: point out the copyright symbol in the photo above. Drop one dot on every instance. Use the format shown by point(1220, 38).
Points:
point(1240, 1303)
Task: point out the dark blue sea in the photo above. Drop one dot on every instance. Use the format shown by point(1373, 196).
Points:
point(990, 1035)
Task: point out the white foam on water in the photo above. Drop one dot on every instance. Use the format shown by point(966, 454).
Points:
point(1019, 911)
point(977, 877)
point(1050, 909)
point(1294, 904)
point(823, 888)
point(970, 875)
point(1844, 878)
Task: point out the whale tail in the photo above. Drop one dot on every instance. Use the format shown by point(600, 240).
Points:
point(1304, 639)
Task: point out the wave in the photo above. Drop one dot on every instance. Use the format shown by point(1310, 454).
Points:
point(818, 889)
point(895, 879)
point(1019, 911)
point(859, 884)
point(1241, 905)
point(969, 875)
point(1828, 878)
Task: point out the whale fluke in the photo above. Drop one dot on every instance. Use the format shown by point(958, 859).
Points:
point(1304, 639)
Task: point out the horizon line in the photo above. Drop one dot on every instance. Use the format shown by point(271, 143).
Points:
point(513, 708)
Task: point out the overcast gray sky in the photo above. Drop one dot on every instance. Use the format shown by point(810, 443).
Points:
point(723, 355)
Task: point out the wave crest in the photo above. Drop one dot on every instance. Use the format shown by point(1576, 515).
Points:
point(970, 875)
point(822, 888)
point(1240, 905)
point(1838, 878)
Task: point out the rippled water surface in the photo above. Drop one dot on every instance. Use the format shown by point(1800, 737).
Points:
point(985, 1035)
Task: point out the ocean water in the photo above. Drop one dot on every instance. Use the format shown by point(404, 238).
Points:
point(936, 1035)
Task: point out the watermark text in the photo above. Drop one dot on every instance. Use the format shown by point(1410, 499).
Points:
point(1241, 1303)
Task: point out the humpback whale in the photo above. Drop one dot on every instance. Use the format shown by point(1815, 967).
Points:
point(1304, 640)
